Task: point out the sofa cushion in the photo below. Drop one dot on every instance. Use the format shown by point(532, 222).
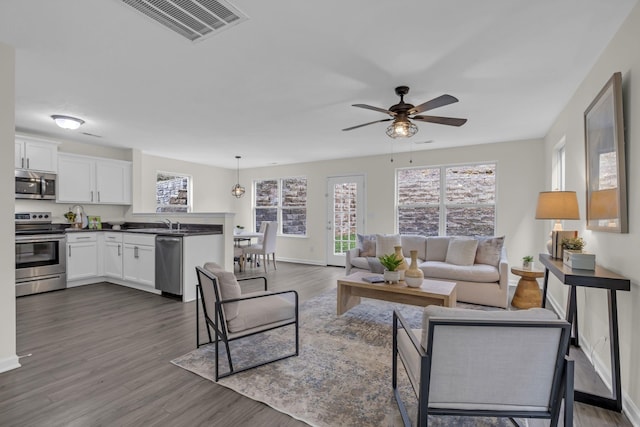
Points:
point(360, 262)
point(261, 311)
point(414, 243)
point(482, 273)
point(385, 243)
point(434, 311)
point(461, 251)
point(437, 248)
point(489, 250)
point(367, 244)
point(229, 289)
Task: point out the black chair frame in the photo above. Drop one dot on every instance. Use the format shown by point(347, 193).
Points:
point(562, 381)
point(220, 328)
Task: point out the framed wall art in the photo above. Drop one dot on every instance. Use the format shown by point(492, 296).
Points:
point(605, 156)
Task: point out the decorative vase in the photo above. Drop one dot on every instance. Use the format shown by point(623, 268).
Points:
point(391, 276)
point(527, 265)
point(404, 266)
point(413, 276)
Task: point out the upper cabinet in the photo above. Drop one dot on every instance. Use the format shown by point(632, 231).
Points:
point(36, 155)
point(84, 179)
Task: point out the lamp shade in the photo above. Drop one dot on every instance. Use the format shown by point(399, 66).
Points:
point(604, 204)
point(557, 205)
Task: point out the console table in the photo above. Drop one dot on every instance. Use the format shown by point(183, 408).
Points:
point(602, 279)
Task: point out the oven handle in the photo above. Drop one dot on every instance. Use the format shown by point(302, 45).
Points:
point(43, 238)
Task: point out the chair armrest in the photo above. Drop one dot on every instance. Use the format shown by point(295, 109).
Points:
point(270, 294)
point(503, 270)
point(254, 278)
point(397, 317)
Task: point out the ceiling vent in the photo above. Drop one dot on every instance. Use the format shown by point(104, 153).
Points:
point(192, 19)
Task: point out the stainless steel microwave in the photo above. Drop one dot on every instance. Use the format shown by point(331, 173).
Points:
point(35, 185)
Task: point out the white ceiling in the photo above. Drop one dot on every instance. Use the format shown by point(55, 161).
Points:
point(278, 88)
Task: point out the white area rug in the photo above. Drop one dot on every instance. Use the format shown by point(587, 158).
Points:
point(342, 376)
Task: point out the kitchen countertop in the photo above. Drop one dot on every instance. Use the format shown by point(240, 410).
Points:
point(152, 228)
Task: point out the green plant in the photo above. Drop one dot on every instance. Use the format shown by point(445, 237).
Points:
point(240, 227)
point(527, 258)
point(575, 243)
point(390, 262)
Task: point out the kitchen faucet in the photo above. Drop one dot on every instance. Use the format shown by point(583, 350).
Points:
point(168, 222)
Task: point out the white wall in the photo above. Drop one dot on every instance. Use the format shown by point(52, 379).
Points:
point(617, 252)
point(211, 186)
point(8, 358)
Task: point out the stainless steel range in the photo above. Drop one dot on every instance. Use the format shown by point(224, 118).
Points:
point(41, 261)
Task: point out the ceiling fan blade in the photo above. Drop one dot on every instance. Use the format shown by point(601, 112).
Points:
point(451, 121)
point(367, 124)
point(440, 101)
point(369, 107)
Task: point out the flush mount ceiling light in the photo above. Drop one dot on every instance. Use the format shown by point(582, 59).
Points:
point(238, 190)
point(67, 122)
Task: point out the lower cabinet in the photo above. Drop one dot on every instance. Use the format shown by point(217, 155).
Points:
point(82, 255)
point(139, 262)
point(112, 255)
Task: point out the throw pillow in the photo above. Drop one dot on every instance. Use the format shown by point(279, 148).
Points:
point(367, 244)
point(489, 250)
point(461, 251)
point(229, 289)
point(385, 243)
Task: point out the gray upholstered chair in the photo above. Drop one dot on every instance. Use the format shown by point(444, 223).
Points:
point(485, 363)
point(232, 315)
point(265, 247)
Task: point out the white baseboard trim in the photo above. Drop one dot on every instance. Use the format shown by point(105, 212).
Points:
point(9, 363)
point(302, 261)
point(629, 408)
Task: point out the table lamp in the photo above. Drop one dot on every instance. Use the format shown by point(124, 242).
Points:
point(557, 205)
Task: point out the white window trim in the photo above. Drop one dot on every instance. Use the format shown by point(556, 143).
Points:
point(189, 190)
point(279, 206)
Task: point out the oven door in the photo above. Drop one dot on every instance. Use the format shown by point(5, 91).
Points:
point(42, 255)
point(31, 185)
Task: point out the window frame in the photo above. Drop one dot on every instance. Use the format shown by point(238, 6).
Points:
point(443, 204)
point(189, 205)
point(279, 206)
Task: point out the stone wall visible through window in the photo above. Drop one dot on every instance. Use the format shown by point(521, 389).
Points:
point(447, 200)
point(172, 193)
point(283, 200)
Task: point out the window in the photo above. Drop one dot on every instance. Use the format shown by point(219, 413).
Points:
point(283, 200)
point(447, 200)
point(173, 192)
point(559, 166)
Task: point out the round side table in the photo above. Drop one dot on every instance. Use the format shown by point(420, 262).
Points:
point(528, 293)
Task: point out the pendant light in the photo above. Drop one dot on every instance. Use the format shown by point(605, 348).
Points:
point(238, 190)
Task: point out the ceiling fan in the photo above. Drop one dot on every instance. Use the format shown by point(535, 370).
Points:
point(402, 114)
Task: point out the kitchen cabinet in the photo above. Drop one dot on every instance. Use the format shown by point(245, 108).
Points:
point(84, 179)
point(82, 256)
point(113, 255)
point(34, 154)
point(139, 262)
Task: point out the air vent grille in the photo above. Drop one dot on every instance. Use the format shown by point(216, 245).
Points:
point(192, 19)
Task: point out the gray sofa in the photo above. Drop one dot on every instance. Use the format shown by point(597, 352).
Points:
point(481, 272)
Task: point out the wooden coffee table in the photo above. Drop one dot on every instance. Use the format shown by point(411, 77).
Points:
point(433, 292)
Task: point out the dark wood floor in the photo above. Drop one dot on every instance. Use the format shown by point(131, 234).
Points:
point(99, 355)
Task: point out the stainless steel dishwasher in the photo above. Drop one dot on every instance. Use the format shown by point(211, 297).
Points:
point(169, 264)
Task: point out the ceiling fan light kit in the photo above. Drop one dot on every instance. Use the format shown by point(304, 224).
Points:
point(67, 122)
point(402, 113)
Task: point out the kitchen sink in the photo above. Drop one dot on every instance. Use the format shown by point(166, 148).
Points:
point(156, 230)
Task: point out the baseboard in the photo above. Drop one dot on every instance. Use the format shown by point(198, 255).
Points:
point(302, 261)
point(629, 408)
point(9, 363)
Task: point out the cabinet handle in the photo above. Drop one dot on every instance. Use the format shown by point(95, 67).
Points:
point(83, 237)
point(27, 163)
point(118, 250)
point(92, 196)
point(22, 163)
point(98, 196)
point(69, 251)
point(135, 252)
